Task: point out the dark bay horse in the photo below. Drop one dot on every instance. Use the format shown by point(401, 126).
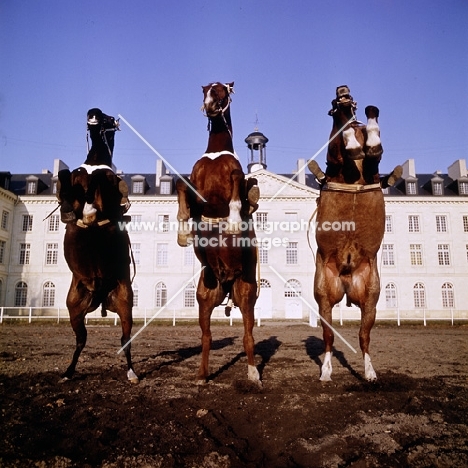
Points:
point(220, 202)
point(350, 223)
point(97, 251)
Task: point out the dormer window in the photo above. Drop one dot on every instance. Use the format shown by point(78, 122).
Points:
point(165, 187)
point(411, 188)
point(437, 188)
point(463, 187)
point(139, 185)
point(31, 185)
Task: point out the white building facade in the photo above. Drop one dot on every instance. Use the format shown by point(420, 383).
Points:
point(423, 259)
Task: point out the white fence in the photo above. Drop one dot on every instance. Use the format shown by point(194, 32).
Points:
point(342, 315)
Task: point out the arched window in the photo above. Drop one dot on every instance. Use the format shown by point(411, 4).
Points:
point(391, 296)
point(161, 294)
point(21, 294)
point(189, 295)
point(48, 294)
point(135, 294)
point(292, 288)
point(265, 283)
point(447, 296)
point(419, 295)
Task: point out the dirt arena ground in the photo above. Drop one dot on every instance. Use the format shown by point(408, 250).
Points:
point(415, 415)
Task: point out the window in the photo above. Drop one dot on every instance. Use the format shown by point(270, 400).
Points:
point(447, 296)
point(161, 295)
point(388, 257)
point(441, 223)
point(411, 188)
point(163, 223)
point(2, 251)
point(463, 188)
point(189, 257)
point(437, 188)
point(54, 223)
point(443, 254)
point(262, 220)
point(419, 295)
point(27, 222)
point(138, 187)
point(165, 187)
point(161, 254)
point(31, 187)
point(292, 288)
point(48, 294)
point(24, 254)
point(390, 296)
point(54, 187)
point(51, 253)
point(416, 254)
point(291, 253)
point(5, 218)
point(189, 295)
point(262, 253)
point(465, 223)
point(265, 284)
point(135, 294)
point(136, 253)
point(388, 224)
point(413, 223)
point(21, 294)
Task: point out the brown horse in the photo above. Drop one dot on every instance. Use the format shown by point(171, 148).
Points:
point(97, 251)
point(221, 202)
point(350, 224)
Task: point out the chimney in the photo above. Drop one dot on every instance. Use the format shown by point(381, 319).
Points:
point(300, 173)
point(58, 166)
point(160, 171)
point(457, 170)
point(409, 169)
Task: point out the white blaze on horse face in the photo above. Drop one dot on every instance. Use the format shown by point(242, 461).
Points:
point(373, 132)
point(368, 369)
point(350, 140)
point(326, 367)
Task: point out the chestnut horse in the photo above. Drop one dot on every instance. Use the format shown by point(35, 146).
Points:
point(220, 202)
point(350, 224)
point(97, 251)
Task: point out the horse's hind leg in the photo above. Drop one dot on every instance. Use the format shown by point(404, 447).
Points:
point(184, 233)
point(123, 302)
point(368, 312)
point(245, 296)
point(78, 326)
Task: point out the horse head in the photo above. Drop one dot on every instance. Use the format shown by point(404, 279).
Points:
point(216, 98)
point(102, 128)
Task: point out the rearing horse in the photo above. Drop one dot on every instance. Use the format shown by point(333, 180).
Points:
point(350, 223)
point(97, 251)
point(220, 201)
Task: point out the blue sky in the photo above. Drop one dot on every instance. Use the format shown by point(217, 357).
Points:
point(147, 60)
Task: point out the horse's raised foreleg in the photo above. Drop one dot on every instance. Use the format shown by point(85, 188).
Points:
point(245, 295)
point(184, 233)
point(373, 146)
point(235, 204)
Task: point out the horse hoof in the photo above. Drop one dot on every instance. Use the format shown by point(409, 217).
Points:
point(394, 176)
point(254, 375)
point(132, 377)
point(184, 240)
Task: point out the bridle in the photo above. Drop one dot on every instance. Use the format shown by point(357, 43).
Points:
point(220, 110)
point(104, 130)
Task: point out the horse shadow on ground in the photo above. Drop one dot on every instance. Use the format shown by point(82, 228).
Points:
point(265, 349)
point(315, 347)
point(177, 356)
